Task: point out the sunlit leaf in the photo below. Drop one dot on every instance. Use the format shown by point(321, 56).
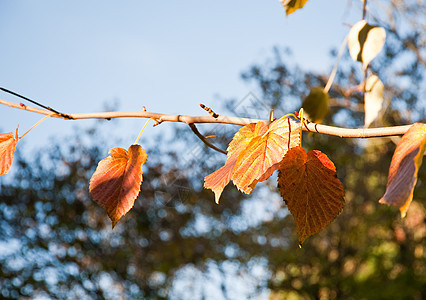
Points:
point(311, 190)
point(365, 42)
point(217, 180)
point(117, 180)
point(254, 154)
point(7, 151)
point(291, 6)
point(316, 105)
point(373, 99)
point(404, 167)
point(263, 154)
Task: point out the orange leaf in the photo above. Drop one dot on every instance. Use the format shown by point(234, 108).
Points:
point(217, 180)
point(263, 154)
point(7, 150)
point(405, 164)
point(117, 180)
point(311, 190)
point(254, 154)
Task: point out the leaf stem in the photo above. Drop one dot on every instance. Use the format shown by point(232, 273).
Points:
point(283, 117)
point(364, 9)
point(334, 71)
point(143, 128)
point(44, 118)
point(301, 112)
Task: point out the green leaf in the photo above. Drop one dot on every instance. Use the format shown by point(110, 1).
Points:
point(316, 105)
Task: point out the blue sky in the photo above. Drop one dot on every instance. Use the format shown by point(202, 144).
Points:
point(169, 56)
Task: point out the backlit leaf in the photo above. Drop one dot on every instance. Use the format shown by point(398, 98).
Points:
point(311, 190)
point(291, 6)
point(254, 154)
point(365, 42)
point(117, 180)
point(7, 151)
point(405, 164)
point(263, 154)
point(217, 180)
point(373, 99)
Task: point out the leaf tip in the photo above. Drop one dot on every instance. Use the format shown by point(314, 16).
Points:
point(403, 209)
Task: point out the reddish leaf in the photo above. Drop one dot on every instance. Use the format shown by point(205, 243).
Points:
point(217, 180)
point(7, 150)
point(117, 180)
point(311, 190)
point(405, 164)
point(263, 154)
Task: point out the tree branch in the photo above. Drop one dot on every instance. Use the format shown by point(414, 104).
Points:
point(312, 127)
point(65, 116)
point(203, 138)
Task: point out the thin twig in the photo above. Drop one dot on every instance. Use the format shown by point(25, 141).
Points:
point(364, 9)
point(312, 127)
point(36, 103)
point(334, 71)
point(201, 137)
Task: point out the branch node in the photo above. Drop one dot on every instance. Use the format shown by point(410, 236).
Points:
point(157, 122)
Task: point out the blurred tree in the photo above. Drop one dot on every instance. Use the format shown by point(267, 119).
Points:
point(176, 243)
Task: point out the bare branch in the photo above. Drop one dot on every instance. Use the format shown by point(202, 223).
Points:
point(312, 127)
point(36, 103)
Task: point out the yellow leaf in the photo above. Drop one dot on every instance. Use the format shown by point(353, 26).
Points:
point(217, 180)
point(291, 6)
point(263, 154)
point(254, 154)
